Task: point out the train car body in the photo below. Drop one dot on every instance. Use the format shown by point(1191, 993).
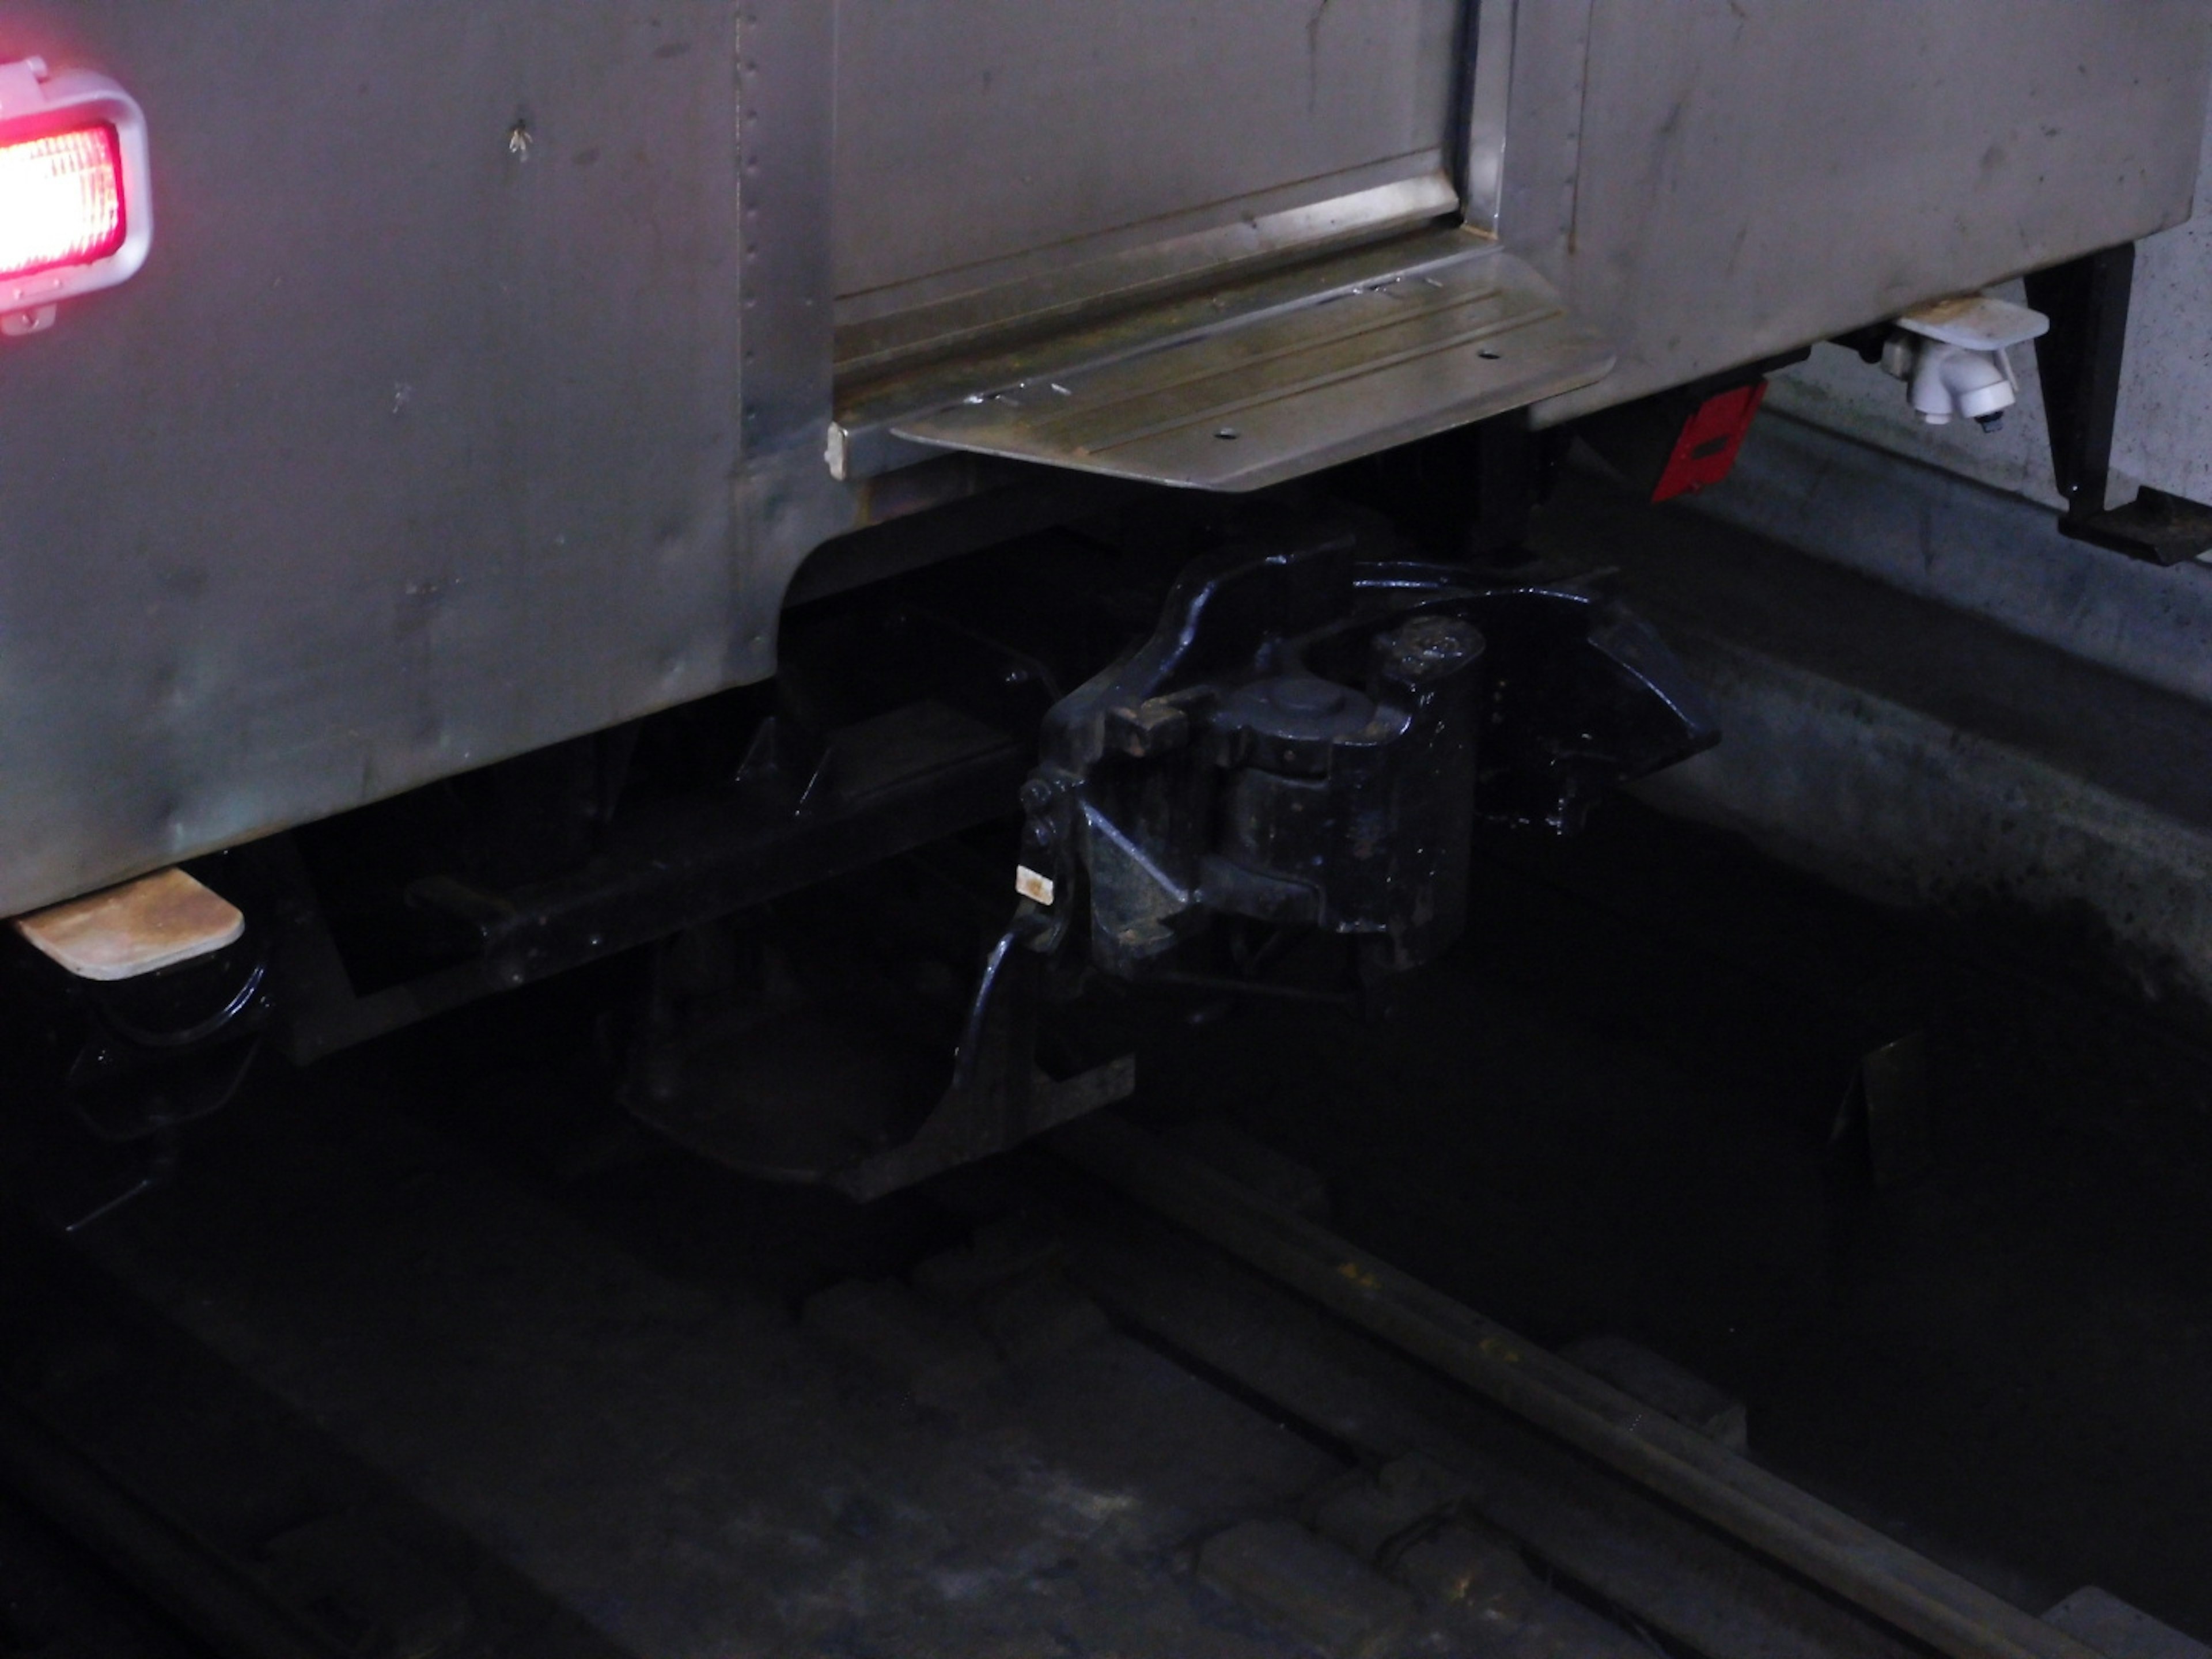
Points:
point(496, 369)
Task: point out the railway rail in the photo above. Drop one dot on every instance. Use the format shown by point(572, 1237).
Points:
point(1134, 1399)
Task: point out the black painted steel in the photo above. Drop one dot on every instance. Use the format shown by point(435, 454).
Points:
point(1308, 738)
point(2081, 360)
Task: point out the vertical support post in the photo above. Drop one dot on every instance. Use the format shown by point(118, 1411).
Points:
point(786, 501)
point(786, 92)
point(1489, 100)
point(2079, 360)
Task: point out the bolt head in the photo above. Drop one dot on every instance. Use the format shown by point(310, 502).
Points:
point(1428, 648)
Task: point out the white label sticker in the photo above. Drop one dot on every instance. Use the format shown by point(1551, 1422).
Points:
point(1031, 885)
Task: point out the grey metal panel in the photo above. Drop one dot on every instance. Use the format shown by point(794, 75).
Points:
point(419, 441)
point(1711, 181)
point(1061, 283)
point(1292, 373)
point(972, 132)
point(1489, 112)
point(787, 81)
point(786, 503)
point(412, 446)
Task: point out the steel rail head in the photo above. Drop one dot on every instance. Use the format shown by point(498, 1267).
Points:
point(1777, 1520)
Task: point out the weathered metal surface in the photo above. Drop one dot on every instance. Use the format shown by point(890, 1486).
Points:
point(1320, 368)
point(1674, 1576)
point(1665, 1387)
point(1719, 181)
point(2120, 1632)
point(979, 139)
point(2159, 438)
point(1306, 740)
point(1216, 772)
point(476, 394)
point(1489, 112)
point(1828, 1546)
point(410, 446)
point(1265, 234)
point(879, 388)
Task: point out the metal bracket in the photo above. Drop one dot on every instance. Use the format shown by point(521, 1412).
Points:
point(1247, 385)
point(1308, 738)
point(2079, 360)
point(997, 1096)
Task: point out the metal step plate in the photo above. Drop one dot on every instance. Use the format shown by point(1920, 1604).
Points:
point(1251, 385)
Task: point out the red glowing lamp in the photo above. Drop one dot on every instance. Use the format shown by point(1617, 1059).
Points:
point(75, 214)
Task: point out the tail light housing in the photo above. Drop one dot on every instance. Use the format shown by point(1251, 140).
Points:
point(76, 211)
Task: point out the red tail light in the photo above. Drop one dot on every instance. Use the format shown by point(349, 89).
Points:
point(61, 201)
point(75, 213)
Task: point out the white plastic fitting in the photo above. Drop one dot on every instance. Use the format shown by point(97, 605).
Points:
point(1951, 354)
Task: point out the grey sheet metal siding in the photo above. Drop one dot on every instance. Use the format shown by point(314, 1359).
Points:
point(972, 132)
point(1712, 181)
point(476, 393)
point(412, 446)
